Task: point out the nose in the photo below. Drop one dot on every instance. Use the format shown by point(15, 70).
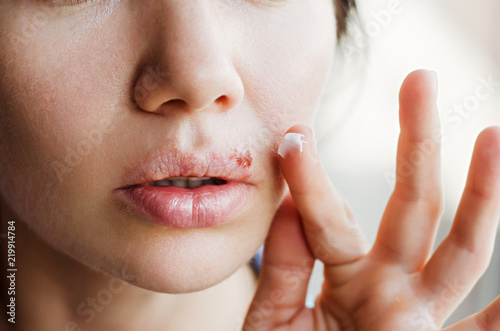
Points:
point(190, 67)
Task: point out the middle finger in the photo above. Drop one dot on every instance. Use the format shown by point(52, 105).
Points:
point(410, 221)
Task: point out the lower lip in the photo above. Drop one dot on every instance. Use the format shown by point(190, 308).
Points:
point(201, 207)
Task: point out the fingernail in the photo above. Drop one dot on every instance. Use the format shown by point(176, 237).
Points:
point(291, 141)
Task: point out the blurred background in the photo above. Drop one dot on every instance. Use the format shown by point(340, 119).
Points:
point(357, 124)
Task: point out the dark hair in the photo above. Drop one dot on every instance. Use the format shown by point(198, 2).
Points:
point(343, 9)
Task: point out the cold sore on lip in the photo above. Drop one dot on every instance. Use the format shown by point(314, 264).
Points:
point(243, 159)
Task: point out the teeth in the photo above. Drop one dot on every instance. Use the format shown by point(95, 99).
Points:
point(194, 184)
point(188, 182)
point(164, 182)
point(190, 178)
point(180, 183)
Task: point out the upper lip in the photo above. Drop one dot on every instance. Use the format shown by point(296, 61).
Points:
point(228, 164)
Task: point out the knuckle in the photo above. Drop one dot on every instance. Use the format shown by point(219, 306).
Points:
point(437, 206)
point(431, 201)
point(480, 254)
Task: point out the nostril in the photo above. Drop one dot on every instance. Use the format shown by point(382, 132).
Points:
point(175, 103)
point(222, 100)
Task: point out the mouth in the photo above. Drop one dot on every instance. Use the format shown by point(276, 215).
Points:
point(187, 190)
point(189, 182)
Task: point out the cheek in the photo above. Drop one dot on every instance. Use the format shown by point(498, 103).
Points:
point(56, 96)
point(287, 61)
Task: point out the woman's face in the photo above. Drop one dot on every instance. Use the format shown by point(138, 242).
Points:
point(97, 96)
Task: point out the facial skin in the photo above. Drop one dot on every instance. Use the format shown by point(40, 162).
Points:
point(145, 75)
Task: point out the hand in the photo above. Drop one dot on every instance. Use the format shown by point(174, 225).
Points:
point(396, 285)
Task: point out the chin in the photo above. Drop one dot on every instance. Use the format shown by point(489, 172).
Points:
point(183, 272)
point(175, 260)
point(170, 260)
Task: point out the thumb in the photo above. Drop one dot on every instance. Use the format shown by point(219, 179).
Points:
point(287, 264)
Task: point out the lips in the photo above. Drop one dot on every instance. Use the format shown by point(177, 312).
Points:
point(187, 208)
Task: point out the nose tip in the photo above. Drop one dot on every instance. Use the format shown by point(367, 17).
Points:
point(193, 70)
point(220, 89)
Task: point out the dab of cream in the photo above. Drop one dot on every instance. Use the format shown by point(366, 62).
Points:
point(290, 142)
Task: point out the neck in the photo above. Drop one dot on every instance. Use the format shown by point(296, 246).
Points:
point(55, 292)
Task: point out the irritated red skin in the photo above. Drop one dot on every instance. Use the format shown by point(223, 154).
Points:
point(243, 159)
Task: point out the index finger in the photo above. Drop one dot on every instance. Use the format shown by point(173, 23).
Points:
point(329, 226)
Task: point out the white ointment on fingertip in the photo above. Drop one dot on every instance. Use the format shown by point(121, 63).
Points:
point(290, 142)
